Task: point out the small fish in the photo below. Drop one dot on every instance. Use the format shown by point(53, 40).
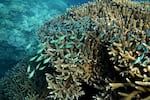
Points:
point(137, 60)
point(140, 46)
point(147, 46)
point(144, 62)
point(33, 58)
point(81, 38)
point(41, 68)
point(31, 74)
point(37, 67)
point(39, 58)
point(78, 45)
point(75, 60)
point(73, 37)
point(47, 60)
point(61, 46)
point(69, 45)
point(62, 37)
point(146, 50)
point(28, 46)
point(142, 56)
point(54, 41)
point(67, 55)
point(102, 33)
point(148, 33)
point(40, 50)
point(40, 45)
point(29, 68)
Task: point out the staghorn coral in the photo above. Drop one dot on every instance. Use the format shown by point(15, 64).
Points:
point(130, 53)
point(75, 58)
point(99, 50)
point(32, 96)
point(15, 85)
point(74, 49)
point(102, 45)
point(67, 89)
point(75, 42)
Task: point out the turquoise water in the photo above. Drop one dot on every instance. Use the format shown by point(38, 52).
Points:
point(19, 22)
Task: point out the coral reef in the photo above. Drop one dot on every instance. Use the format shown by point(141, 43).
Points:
point(19, 21)
point(75, 44)
point(5, 50)
point(17, 86)
point(131, 56)
point(100, 50)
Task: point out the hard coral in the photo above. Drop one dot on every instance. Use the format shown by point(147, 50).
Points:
point(15, 85)
point(130, 51)
point(76, 44)
point(76, 55)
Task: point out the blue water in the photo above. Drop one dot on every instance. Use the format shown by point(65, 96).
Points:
point(19, 22)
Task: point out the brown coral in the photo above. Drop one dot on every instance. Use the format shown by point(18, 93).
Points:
point(75, 42)
point(102, 46)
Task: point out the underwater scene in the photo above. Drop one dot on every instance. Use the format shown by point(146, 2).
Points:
point(74, 49)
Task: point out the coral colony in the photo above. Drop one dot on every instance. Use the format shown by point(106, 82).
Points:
point(97, 51)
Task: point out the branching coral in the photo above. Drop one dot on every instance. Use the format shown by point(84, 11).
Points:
point(16, 85)
point(102, 45)
point(73, 54)
point(64, 88)
point(74, 44)
point(130, 52)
